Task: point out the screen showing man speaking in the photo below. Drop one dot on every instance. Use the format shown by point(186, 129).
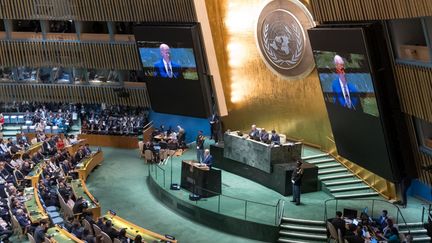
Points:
point(348, 86)
point(175, 68)
point(166, 60)
point(346, 81)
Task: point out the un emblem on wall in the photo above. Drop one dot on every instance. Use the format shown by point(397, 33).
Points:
point(282, 40)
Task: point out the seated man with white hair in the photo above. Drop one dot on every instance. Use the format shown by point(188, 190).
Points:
point(208, 158)
point(254, 133)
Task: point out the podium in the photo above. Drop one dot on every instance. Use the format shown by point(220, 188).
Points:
point(200, 180)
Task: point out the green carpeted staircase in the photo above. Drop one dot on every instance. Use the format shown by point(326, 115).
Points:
point(337, 180)
point(417, 230)
point(302, 231)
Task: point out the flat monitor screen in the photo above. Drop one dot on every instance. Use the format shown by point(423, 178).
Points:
point(174, 68)
point(346, 81)
point(348, 86)
point(350, 213)
point(168, 60)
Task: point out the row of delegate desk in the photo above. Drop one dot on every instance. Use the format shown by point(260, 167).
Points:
point(84, 168)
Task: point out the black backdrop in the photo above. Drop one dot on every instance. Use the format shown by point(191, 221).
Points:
point(359, 137)
point(178, 96)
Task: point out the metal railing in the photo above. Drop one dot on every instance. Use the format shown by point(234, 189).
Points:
point(370, 205)
point(426, 209)
point(225, 204)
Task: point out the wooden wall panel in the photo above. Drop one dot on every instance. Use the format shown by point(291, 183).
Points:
point(420, 158)
point(355, 10)
point(122, 56)
point(100, 10)
point(73, 93)
point(414, 86)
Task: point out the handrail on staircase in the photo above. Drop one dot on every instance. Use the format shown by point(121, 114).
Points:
point(428, 208)
point(399, 212)
point(280, 208)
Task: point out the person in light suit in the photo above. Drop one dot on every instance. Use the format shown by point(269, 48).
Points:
point(165, 68)
point(346, 94)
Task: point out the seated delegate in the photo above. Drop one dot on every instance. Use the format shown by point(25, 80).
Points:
point(263, 136)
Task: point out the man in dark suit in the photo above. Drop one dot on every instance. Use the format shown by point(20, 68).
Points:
point(48, 148)
point(200, 146)
point(275, 139)
point(346, 94)
point(264, 136)
point(296, 180)
point(215, 127)
point(339, 223)
point(109, 230)
point(208, 158)
point(39, 233)
point(165, 68)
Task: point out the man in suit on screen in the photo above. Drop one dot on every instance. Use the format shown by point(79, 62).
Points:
point(165, 68)
point(346, 93)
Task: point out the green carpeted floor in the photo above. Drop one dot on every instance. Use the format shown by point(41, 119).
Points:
point(120, 184)
point(127, 168)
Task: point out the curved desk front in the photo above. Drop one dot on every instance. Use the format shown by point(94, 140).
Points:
point(132, 230)
point(33, 148)
point(34, 174)
point(33, 205)
point(80, 190)
point(85, 167)
point(61, 235)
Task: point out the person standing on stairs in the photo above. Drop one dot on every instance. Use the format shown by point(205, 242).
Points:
point(296, 179)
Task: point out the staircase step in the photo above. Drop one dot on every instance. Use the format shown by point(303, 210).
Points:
point(346, 182)
point(315, 156)
point(326, 172)
point(285, 240)
point(304, 228)
point(411, 225)
point(356, 195)
point(421, 239)
point(303, 235)
point(351, 188)
point(303, 221)
point(414, 231)
point(333, 165)
point(325, 178)
point(320, 161)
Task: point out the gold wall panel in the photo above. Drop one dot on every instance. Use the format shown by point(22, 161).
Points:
point(100, 10)
point(255, 95)
point(74, 93)
point(118, 56)
point(357, 10)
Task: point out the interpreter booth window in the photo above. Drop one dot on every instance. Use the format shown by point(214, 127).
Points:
point(104, 76)
point(27, 74)
point(26, 25)
point(62, 26)
point(95, 27)
point(2, 26)
point(124, 28)
point(424, 135)
point(61, 75)
point(6, 74)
